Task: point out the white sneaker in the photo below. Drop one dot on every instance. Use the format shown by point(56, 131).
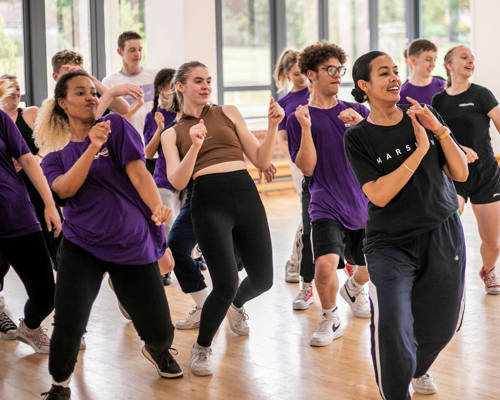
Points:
point(36, 338)
point(357, 300)
point(192, 321)
point(304, 298)
point(491, 284)
point(329, 329)
point(201, 360)
point(238, 320)
point(424, 384)
point(292, 272)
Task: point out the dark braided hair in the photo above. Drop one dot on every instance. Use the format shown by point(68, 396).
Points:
point(162, 78)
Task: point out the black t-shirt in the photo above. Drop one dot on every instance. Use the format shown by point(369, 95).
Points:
point(423, 203)
point(466, 115)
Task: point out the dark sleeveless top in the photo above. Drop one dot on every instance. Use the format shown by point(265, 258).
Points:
point(221, 144)
point(26, 131)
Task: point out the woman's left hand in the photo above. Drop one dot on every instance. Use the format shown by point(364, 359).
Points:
point(166, 263)
point(161, 214)
point(52, 220)
point(275, 114)
point(426, 118)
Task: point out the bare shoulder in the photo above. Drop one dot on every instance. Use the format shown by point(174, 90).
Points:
point(232, 113)
point(30, 114)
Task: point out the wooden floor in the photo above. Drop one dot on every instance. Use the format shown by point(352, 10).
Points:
point(275, 361)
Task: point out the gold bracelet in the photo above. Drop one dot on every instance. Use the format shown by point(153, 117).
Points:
point(444, 133)
point(408, 168)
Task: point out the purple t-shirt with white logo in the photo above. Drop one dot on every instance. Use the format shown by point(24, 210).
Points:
point(335, 192)
point(17, 215)
point(290, 102)
point(423, 94)
point(160, 173)
point(107, 217)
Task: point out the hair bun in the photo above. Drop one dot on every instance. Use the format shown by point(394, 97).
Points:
point(358, 95)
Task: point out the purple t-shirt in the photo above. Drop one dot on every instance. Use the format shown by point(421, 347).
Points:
point(423, 94)
point(107, 217)
point(290, 102)
point(160, 173)
point(17, 215)
point(335, 192)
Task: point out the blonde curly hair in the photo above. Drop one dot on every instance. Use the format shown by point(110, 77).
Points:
point(51, 131)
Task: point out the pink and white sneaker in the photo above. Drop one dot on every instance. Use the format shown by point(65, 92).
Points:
point(491, 284)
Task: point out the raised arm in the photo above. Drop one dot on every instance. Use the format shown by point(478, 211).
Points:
point(259, 154)
point(306, 156)
point(34, 172)
point(180, 172)
point(384, 189)
point(68, 184)
point(154, 143)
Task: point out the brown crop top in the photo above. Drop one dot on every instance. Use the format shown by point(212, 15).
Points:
point(221, 144)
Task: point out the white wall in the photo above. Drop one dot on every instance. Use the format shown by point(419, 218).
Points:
point(181, 30)
point(485, 46)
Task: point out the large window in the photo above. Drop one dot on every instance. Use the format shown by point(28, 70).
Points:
point(301, 23)
point(67, 27)
point(130, 16)
point(11, 40)
point(447, 23)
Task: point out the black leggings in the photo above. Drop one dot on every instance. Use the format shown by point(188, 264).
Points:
point(227, 212)
point(29, 257)
point(79, 277)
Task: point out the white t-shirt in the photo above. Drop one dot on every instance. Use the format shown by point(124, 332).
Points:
point(144, 78)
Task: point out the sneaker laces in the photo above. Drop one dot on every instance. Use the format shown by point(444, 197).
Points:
point(243, 315)
point(203, 353)
point(325, 324)
point(6, 324)
point(303, 293)
point(40, 335)
point(425, 379)
point(362, 297)
point(192, 312)
point(491, 278)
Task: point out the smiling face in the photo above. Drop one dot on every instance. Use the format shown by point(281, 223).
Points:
point(80, 102)
point(322, 81)
point(461, 64)
point(384, 83)
point(297, 78)
point(424, 63)
point(197, 88)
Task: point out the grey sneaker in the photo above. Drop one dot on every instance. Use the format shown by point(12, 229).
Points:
point(57, 393)
point(238, 320)
point(192, 321)
point(424, 384)
point(164, 363)
point(2, 303)
point(201, 360)
point(8, 329)
point(36, 338)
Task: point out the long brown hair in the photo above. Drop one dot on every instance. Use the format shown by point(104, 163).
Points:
point(182, 75)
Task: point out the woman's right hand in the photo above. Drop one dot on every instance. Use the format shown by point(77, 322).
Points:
point(98, 134)
point(470, 154)
point(198, 133)
point(160, 121)
point(420, 134)
point(303, 117)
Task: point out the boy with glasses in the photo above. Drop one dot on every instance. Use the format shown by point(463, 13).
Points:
point(338, 207)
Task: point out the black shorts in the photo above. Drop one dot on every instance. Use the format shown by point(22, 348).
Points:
point(482, 185)
point(329, 236)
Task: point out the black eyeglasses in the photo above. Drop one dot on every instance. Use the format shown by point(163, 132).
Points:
point(332, 70)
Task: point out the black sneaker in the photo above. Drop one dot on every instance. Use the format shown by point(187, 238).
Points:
point(164, 362)
point(166, 279)
point(201, 263)
point(8, 329)
point(57, 393)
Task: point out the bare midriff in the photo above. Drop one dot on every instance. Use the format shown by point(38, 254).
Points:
point(228, 166)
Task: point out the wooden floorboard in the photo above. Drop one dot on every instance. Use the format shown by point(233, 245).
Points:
point(275, 361)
